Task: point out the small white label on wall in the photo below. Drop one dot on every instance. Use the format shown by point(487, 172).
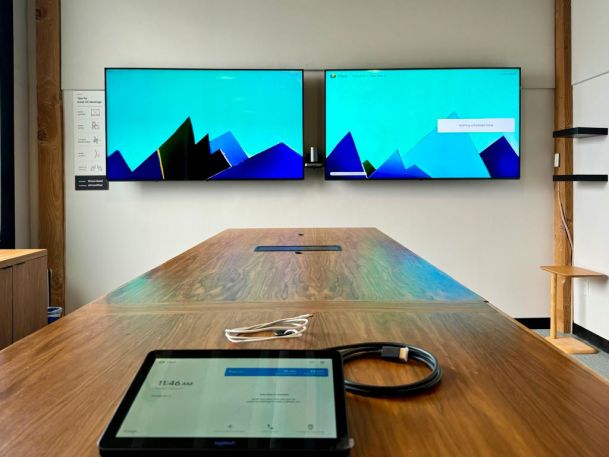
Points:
point(89, 140)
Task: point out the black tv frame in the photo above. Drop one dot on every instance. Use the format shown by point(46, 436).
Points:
point(327, 153)
point(203, 69)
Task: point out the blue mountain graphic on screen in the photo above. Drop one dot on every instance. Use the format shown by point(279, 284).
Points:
point(345, 158)
point(393, 168)
point(447, 155)
point(279, 161)
point(149, 169)
point(501, 160)
point(231, 148)
point(437, 155)
point(180, 158)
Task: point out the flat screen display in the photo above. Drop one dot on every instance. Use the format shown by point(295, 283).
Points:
point(234, 398)
point(181, 124)
point(423, 123)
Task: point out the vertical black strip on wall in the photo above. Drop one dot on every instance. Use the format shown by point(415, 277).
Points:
point(7, 140)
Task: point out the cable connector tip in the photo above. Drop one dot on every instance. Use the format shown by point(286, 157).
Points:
point(395, 353)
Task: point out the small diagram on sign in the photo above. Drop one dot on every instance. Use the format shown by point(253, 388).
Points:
point(95, 112)
point(95, 140)
point(96, 154)
point(96, 167)
point(94, 125)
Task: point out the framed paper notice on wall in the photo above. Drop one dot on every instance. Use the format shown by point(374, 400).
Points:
point(89, 140)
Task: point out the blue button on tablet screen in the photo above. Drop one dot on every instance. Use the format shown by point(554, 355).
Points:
point(302, 372)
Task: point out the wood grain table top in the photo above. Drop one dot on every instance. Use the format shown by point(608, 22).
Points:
point(505, 391)
point(371, 266)
point(10, 257)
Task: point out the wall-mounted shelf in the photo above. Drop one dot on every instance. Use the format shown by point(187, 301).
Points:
point(567, 344)
point(596, 178)
point(580, 132)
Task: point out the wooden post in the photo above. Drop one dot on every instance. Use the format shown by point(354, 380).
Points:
point(50, 139)
point(553, 284)
point(563, 118)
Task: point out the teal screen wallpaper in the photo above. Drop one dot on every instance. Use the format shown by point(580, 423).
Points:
point(423, 123)
point(180, 124)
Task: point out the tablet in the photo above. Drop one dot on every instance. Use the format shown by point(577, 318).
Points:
point(241, 402)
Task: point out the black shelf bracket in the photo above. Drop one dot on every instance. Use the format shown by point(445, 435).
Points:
point(580, 132)
point(595, 178)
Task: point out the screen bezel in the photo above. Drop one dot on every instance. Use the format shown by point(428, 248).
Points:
point(110, 442)
point(327, 176)
point(106, 69)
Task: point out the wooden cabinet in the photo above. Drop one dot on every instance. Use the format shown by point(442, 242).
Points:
point(6, 307)
point(23, 293)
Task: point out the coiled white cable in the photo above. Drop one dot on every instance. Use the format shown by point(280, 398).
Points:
point(290, 327)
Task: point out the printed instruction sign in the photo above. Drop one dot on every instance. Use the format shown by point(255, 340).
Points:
point(89, 140)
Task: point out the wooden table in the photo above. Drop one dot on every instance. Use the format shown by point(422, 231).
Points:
point(505, 390)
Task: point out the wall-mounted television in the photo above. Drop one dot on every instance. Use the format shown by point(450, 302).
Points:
point(457, 123)
point(203, 124)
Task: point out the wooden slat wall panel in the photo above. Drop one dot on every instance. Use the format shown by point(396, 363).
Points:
point(50, 139)
point(563, 118)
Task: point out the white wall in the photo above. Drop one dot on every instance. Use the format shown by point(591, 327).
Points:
point(590, 50)
point(590, 37)
point(492, 236)
point(21, 118)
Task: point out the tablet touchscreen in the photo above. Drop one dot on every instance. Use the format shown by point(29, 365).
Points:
point(255, 402)
point(234, 397)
